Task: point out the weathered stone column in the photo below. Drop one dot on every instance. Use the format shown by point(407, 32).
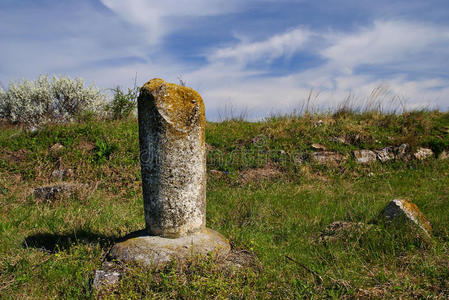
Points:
point(173, 158)
point(173, 162)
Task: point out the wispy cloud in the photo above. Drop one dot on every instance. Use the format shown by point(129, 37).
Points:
point(280, 45)
point(158, 18)
point(388, 42)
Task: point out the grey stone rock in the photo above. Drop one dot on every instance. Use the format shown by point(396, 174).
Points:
point(56, 148)
point(403, 152)
point(106, 277)
point(343, 230)
point(385, 154)
point(443, 155)
point(173, 158)
point(365, 156)
point(53, 192)
point(155, 251)
point(216, 173)
point(318, 147)
point(338, 139)
point(401, 209)
point(327, 157)
point(423, 153)
point(60, 174)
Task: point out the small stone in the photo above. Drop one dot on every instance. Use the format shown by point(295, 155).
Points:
point(342, 230)
point(327, 157)
point(403, 152)
point(385, 154)
point(400, 208)
point(318, 123)
point(423, 153)
point(318, 147)
point(60, 174)
point(50, 193)
point(106, 277)
point(365, 156)
point(338, 139)
point(154, 251)
point(443, 155)
point(216, 173)
point(56, 148)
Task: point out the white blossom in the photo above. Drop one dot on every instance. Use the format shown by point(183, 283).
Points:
point(60, 99)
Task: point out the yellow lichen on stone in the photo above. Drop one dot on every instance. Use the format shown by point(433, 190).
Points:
point(414, 210)
point(179, 106)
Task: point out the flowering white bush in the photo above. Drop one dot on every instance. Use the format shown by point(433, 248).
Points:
point(60, 99)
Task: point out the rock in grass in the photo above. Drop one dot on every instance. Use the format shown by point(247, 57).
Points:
point(54, 192)
point(365, 156)
point(60, 174)
point(385, 154)
point(403, 152)
point(423, 153)
point(56, 148)
point(343, 231)
point(106, 277)
point(399, 210)
point(327, 158)
point(443, 155)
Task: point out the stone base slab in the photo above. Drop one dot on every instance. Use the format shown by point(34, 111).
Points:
point(155, 251)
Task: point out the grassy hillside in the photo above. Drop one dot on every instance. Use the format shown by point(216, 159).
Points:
point(263, 193)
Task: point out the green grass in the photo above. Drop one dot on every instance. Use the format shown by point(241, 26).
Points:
point(51, 250)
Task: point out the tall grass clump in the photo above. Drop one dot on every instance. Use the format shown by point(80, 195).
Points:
point(56, 100)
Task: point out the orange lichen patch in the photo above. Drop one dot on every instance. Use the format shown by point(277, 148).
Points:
point(179, 106)
point(414, 211)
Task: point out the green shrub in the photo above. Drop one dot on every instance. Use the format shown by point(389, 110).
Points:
point(57, 100)
point(123, 105)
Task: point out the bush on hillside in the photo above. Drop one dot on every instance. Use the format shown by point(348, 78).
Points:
point(123, 104)
point(59, 99)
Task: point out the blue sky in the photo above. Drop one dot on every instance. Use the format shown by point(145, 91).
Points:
point(262, 56)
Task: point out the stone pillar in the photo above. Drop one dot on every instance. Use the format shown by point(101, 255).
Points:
point(173, 161)
point(173, 158)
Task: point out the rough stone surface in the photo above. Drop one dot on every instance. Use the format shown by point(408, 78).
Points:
point(173, 158)
point(342, 230)
point(444, 155)
point(365, 156)
point(423, 153)
point(400, 208)
point(57, 191)
point(106, 277)
point(385, 154)
point(60, 174)
point(154, 251)
point(318, 147)
point(338, 139)
point(403, 152)
point(327, 157)
point(56, 148)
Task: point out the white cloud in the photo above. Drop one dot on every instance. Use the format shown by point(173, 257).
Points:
point(387, 42)
point(159, 18)
point(279, 45)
